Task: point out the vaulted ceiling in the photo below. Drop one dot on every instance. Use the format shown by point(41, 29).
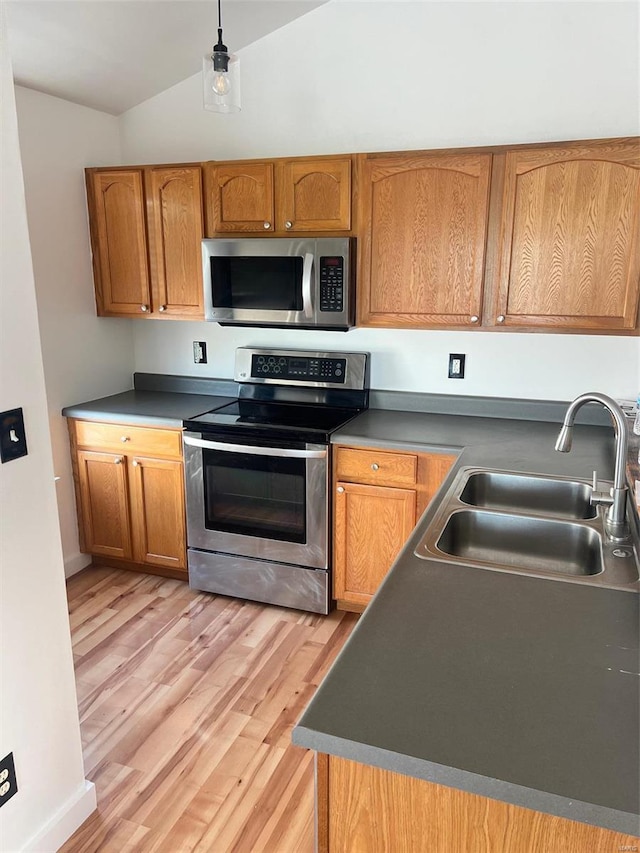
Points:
point(113, 54)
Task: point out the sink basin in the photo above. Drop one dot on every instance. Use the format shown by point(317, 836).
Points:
point(525, 493)
point(520, 542)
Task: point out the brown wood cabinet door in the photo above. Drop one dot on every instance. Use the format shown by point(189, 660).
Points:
point(119, 242)
point(424, 224)
point(314, 195)
point(569, 240)
point(239, 197)
point(102, 479)
point(372, 523)
point(157, 497)
point(176, 228)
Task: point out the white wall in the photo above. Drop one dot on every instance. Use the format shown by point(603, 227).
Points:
point(85, 356)
point(39, 717)
point(451, 74)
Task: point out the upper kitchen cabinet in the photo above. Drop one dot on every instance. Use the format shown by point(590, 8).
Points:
point(568, 240)
point(279, 196)
point(146, 226)
point(424, 221)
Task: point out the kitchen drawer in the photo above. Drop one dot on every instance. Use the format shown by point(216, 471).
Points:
point(129, 439)
point(377, 467)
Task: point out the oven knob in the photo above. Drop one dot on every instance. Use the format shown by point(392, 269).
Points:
point(340, 489)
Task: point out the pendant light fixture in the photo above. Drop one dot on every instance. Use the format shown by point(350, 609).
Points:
point(221, 77)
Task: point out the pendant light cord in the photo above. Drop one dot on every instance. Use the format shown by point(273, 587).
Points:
point(219, 16)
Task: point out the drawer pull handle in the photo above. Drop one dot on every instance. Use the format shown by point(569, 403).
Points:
point(125, 438)
point(375, 466)
point(340, 489)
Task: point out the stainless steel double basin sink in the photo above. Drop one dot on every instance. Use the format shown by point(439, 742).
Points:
point(529, 524)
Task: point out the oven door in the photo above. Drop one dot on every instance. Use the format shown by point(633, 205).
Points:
point(263, 501)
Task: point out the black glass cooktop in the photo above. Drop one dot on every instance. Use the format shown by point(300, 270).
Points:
point(271, 419)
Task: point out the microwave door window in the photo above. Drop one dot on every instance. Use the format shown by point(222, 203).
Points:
point(258, 283)
point(262, 496)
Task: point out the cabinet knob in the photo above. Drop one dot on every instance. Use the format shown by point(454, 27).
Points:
point(500, 318)
point(375, 466)
point(124, 438)
point(144, 307)
point(135, 463)
point(162, 308)
point(340, 489)
point(474, 318)
point(288, 224)
point(266, 225)
point(118, 460)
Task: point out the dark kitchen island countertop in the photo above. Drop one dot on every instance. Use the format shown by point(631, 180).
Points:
point(520, 689)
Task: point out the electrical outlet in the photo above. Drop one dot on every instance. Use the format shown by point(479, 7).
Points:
point(200, 352)
point(8, 784)
point(456, 365)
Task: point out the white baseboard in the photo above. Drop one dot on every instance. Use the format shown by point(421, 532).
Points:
point(65, 822)
point(75, 564)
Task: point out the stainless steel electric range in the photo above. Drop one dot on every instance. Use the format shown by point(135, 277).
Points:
point(257, 476)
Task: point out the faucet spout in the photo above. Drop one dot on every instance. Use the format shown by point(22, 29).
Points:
point(616, 514)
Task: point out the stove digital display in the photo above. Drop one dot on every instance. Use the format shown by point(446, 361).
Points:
point(296, 368)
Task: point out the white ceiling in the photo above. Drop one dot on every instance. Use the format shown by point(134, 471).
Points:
point(114, 54)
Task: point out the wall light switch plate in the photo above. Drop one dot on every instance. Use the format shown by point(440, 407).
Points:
point(456, 365)
point(199, 352)
point(13, 440)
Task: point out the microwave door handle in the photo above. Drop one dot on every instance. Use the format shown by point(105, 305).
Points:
point(307, 271)
point(255, 451)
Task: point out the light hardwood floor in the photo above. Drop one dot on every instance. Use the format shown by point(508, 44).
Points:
point(187, 701)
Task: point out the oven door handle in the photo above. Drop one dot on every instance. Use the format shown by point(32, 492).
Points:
point(255, 451)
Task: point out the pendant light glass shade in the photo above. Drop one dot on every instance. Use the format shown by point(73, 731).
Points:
point(221, 88)
point(221, 77)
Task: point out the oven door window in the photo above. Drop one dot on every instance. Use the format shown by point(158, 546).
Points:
point(259, 283)
point(262, 496)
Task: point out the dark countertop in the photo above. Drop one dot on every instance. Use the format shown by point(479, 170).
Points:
point(521, 689)
point(156, 408)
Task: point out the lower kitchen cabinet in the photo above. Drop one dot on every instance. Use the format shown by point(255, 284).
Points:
point(363, 809)
point(130, 495)
point(379, 495)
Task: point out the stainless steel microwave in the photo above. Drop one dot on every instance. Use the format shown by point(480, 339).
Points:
point(280, 281)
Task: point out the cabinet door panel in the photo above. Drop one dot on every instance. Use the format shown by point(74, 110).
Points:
point(424, 231)
point(314, 195)
point(176, 229)
point(372, 524)
point(570, 237)
point(116, 206)
point(239, 197)
point(157, 493)
point(105, 506)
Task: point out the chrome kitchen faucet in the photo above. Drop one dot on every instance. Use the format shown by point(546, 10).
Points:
point(615, 520)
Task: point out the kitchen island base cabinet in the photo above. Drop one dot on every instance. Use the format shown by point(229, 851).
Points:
point(130, 496)
point(379, 495)
point(363, 809)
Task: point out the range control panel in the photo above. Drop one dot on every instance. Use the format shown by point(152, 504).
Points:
point(331, 284)
point(299, 367)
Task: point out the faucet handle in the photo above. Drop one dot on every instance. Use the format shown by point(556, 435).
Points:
point(599, 498)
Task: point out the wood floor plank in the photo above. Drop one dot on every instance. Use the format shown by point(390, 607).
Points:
point(187, 701)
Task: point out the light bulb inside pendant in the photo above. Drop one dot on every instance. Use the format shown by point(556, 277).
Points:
point(220, 83)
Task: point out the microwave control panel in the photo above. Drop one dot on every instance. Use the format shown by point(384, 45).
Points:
point(331, 284)
point(299, 367)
